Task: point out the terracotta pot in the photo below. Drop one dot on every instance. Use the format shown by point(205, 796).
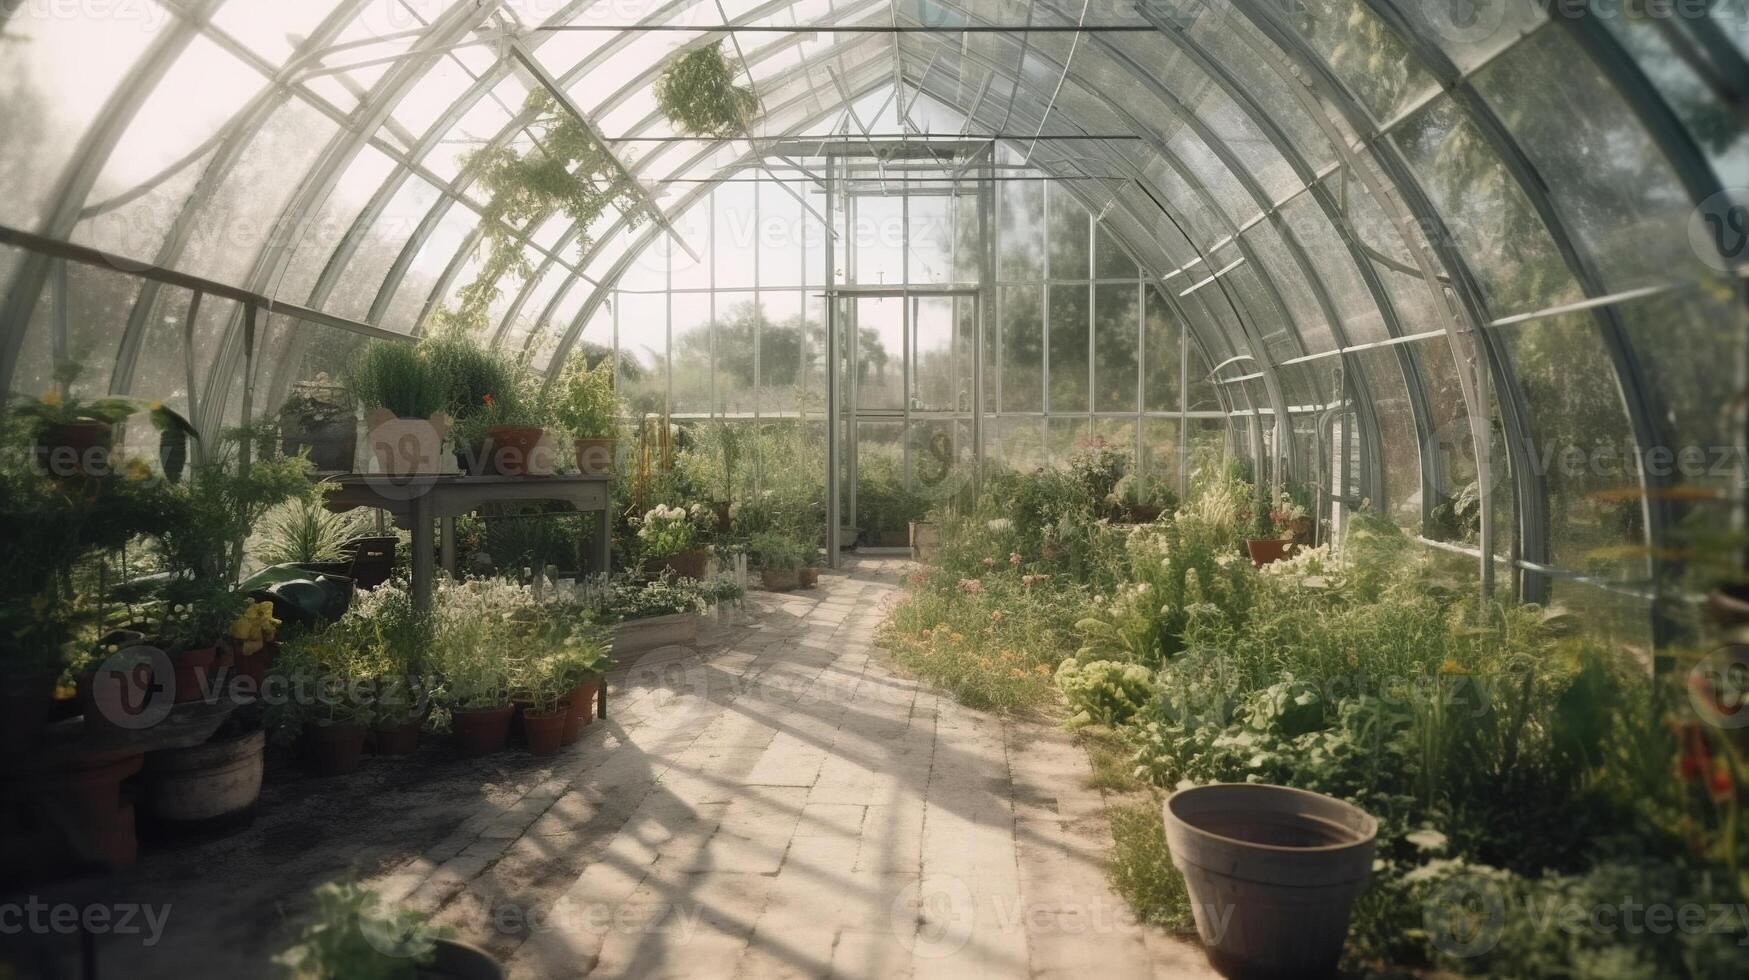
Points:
point(781, 581)
point(212, 781)
point(75, 450)
point(402, 740)
point(334, 750)
point(255, 666)
point(809, 577)
point(25, 702)
point(518, 450)
point(194, 672)
point(482, 731)
point(582, 712)
point(687, 564)
point(595, 457)
point(1267, 551)
point(546, 733)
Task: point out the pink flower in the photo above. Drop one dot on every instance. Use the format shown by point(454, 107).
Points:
point(1014, 558)
point(989, 563)
point(971, 586)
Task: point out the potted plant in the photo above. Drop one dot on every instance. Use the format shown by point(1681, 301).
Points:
point(194, 628)
point(353, 938)
point(668, 537)
point(809, 573)
point(319, 419)
point(544, 690)
point(589, 408)
point(780, 561)
point(332, 702)
point(1285, 865)
point(302, 531)
point(579, 660)
point(699, 95)
point(71, 437)
point(404, 394)
point(397, 638)
point(214, 783)
point(1273, 530)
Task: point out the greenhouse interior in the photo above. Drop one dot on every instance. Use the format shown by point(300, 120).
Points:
point(874, 488)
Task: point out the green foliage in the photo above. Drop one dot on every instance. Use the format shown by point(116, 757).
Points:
point(699, 95)
point(1141, 871)
point(60, 406)
point(1098, 466)
point(567, 170)
point(398, 377)
point(303, 530)
point(623, 598)
point(352, 938)
point(587, 404)
point(667, 531)
point(1103, 692)
point(778, 552)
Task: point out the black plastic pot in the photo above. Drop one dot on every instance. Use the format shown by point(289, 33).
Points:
point(459, 961)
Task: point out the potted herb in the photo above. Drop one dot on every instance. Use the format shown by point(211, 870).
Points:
point(579, 659)
point(699, 95)
point(194, 628)
point(404, 393)
point(352, 938)
point(780, 561)
point(1273, 530)
point(332, 681)
point(669, 537)
point(544, 689)
point(499, 412)
point(397, 638)
point(302, 531)
point(590, 409)
point(468, 629)
point(71, 437)
point(319, 419)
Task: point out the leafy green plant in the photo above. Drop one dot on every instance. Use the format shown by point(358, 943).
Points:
point(224, 502)
point(699, 95)
point(587, 404)
point(778, 552)
point(667, 531)
point(303, 530)
point(353, 938)
point(1103, 692)
point(397, 376)
point(1098, 465)
point(59, 406)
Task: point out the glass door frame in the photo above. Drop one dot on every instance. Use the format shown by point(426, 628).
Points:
point(843, 415)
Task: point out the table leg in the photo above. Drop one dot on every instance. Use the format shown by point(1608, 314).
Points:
point(603, 548)
point(423, 573)
point(601, 698)
point(448, 545)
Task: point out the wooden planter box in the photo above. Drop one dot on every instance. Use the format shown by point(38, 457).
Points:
point(639, 635)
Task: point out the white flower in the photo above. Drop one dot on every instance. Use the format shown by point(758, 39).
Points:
point(1000, 525)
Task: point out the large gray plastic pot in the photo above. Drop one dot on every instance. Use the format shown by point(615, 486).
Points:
point(1273, 873)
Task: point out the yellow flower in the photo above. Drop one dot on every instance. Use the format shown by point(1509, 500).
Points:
point(154, 406)
point(1451, 666)
point(52, 397)
point(137, 471)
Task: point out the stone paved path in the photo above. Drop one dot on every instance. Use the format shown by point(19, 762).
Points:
point(781, 803)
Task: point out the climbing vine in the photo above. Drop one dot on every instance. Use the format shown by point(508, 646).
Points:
point(699, 95)
point(567, 170)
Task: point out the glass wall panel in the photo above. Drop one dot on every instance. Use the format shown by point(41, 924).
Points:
point(695, 356)
point(641, 330)
point(1487, 214)
point(1585, 447)
point(1068, 233)
point(1021, 324)
point(1022, 234)
point(1068, 353)
point(1615, 192)
point(1116, 322)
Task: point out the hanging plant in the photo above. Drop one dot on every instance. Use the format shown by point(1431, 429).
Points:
point(699, 95)
point(567, 170)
